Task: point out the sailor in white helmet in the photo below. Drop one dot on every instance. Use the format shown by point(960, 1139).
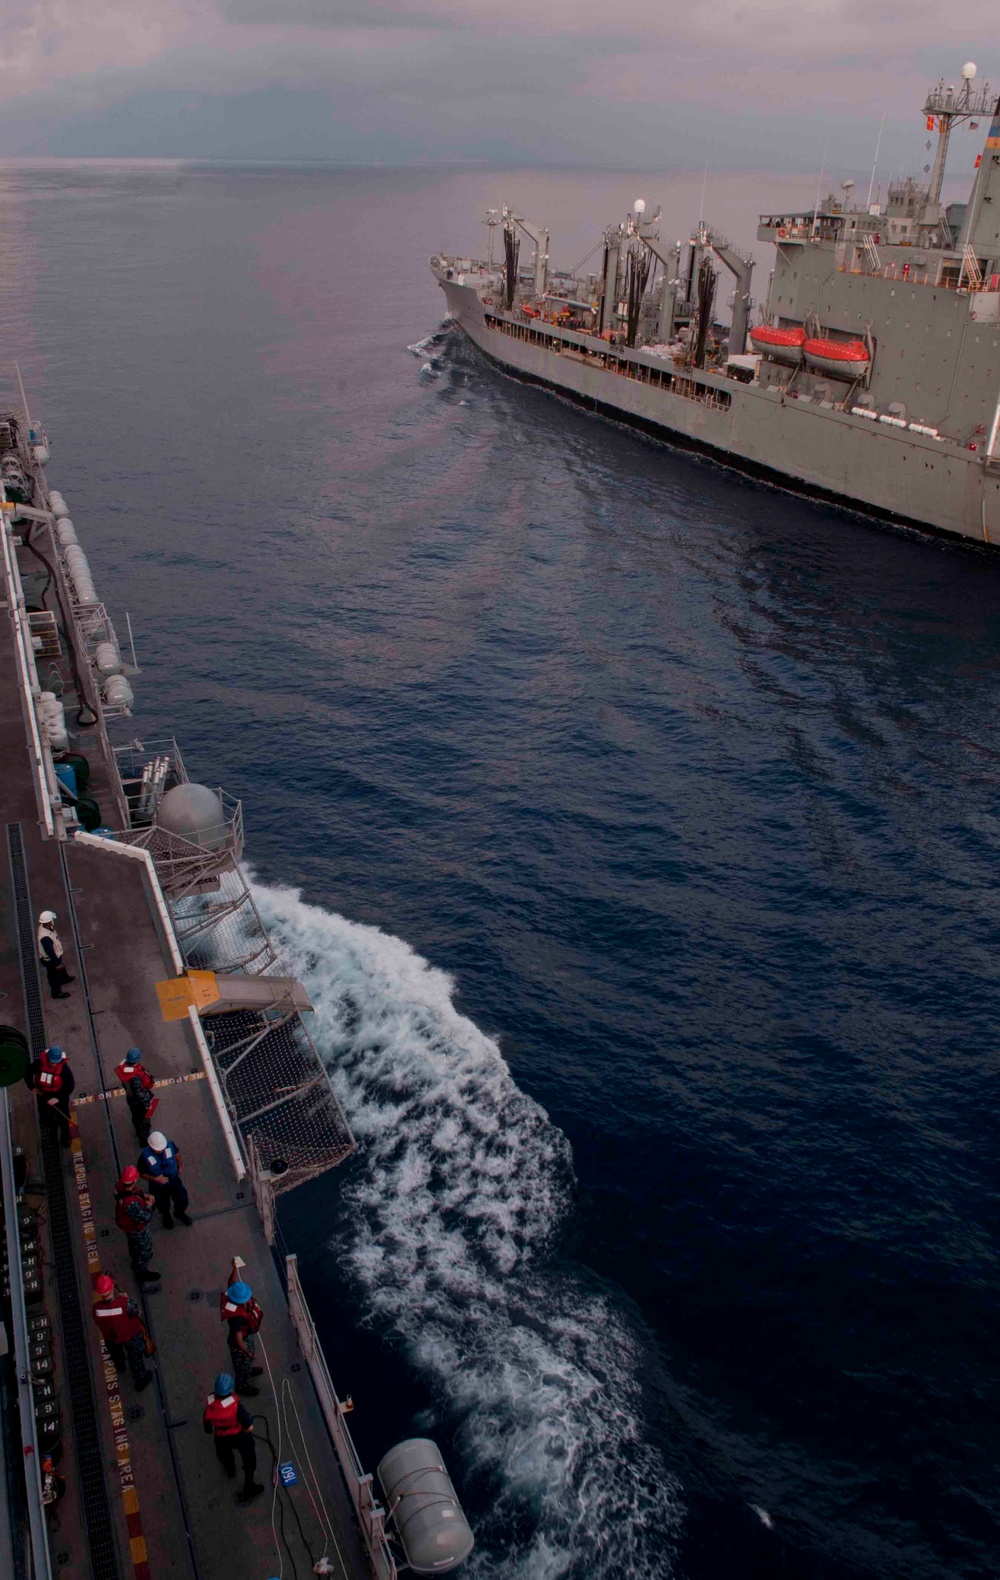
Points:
point(50, 954)
point(160, 1164)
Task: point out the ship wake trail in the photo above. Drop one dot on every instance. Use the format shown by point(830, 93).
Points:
point(452, 1211)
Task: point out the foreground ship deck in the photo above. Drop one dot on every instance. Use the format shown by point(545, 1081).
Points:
point(874, 379)
point(169, 953)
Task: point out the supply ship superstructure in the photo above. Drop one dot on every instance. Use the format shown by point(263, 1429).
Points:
point(872, 377)
point(168, 951)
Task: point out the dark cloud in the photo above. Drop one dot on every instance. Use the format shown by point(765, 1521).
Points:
point(642, 82)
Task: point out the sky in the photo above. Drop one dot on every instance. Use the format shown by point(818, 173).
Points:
point(738, 84)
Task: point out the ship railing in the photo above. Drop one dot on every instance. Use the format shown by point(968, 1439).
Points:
point(278, 1092)
point(223, 930)
point(183, 865)
point(370, 1513)
point(46, 788)
point(275, 1082)
point(21, 1402)
point(672, 376)
point(132, 758)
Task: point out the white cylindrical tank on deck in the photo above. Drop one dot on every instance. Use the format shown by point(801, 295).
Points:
point(117, 691)
point(107, 659)
point(79, 570)
point(58, 503)
point(41, 455)
point(424, 1509)
point(52, 719)
point(195, 813)
point(66, 532)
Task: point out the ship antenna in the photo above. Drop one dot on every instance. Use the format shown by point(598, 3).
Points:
point(24, 398)
point(701, 211)
point(878, 145)
point(819, 186)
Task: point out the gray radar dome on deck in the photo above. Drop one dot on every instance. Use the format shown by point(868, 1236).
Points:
point(195, 813)
point(425, 1511)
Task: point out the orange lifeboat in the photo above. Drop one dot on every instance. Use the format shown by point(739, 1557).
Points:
point(845, 359)
point(780, 345)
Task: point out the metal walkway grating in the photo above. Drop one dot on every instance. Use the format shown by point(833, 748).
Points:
point(79, 1382)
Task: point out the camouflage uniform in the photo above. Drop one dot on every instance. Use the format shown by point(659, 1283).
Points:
point(140, 1241)
point(139, 1101)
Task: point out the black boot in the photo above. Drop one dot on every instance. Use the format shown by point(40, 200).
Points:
point(168, 1222)
point(249, 1493)
point(183, 1218)
point(148, 1275)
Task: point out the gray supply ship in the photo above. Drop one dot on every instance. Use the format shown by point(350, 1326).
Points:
point(871, 379)
point(164, 947)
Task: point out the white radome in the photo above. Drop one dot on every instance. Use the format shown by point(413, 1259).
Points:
point(639, 206)
point(969, 70)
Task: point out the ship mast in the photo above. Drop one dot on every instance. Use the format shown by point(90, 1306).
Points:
point(943, 108)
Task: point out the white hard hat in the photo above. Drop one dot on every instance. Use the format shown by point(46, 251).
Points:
point(157, 1141)
point(46, 918)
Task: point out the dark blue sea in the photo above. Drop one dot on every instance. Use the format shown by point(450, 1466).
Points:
point(635, 830)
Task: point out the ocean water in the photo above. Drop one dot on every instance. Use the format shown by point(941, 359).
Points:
point(634, 828)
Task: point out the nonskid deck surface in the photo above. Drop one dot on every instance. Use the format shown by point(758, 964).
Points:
point(182, 1517)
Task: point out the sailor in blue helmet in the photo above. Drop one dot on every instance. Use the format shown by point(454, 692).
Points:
point(243, 1317)
point(138, 1084)
point(51, 1079)
point(160, 1163)
point(229, 1422)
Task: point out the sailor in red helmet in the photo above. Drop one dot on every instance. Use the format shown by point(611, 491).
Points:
point(121, 1328)
point(51, 1079)
point(138, 1084)
point(133, 1210)
point(230, 1423)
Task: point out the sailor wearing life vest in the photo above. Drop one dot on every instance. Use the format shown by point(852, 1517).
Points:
point(229, 1422)
point(243, 1316)
point(133, 1210)
point(121, 1328)
point(138, 1084)
point(51, 1079)
point(50, 954)
point(160, 1163)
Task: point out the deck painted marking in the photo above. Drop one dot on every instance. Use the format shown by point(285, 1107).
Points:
point(123, 1451)
point(119, 1091)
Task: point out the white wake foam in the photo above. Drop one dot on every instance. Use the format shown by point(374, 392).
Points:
point(461, 1185)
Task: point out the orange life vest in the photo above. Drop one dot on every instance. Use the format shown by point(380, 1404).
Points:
point(132, 1072)
point(125, 1223)
point(49, 1078)
point(249, 1311)
point(221, 1416)
point(114, 1321)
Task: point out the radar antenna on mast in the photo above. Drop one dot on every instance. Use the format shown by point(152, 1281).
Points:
point(944, 107)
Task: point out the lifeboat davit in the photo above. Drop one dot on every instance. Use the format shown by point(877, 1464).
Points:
point(779, 345)
point(845, 359)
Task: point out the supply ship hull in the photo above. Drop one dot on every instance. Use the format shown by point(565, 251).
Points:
point(872, 377)
point(896, 475)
